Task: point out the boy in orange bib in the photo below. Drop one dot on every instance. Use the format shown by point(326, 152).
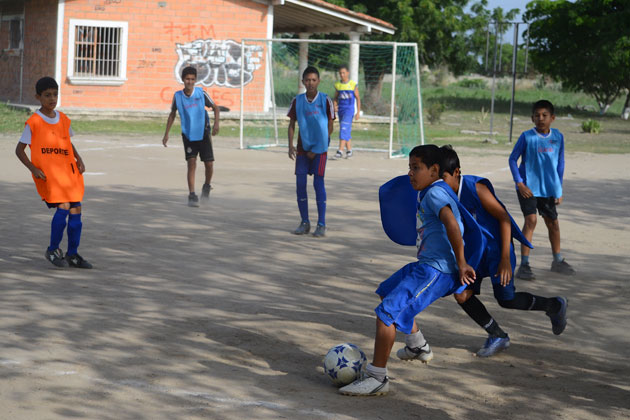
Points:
point(57, 171)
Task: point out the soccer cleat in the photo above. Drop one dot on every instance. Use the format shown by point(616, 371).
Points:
point(493, 345)
point(193, 200)
point(320, 231)
point(525, 272)
point(77, 261)
point(559, 319)
point(348, 154)
point(365, 386)
point(337, 155)
point(424, 353)
point(56, 257)
point(303, 229)
point(562, 267)
point(205, 192)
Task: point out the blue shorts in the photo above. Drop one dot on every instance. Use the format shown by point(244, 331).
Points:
point(315, 166)
point(488, 268)
point(409, 291)
point(55, 205)
point(345, 124)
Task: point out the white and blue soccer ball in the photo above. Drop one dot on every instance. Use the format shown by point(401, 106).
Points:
point(343, 363)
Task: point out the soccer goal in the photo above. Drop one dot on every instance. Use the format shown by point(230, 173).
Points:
point(388, 78)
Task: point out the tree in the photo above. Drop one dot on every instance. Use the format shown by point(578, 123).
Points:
point(583, 44)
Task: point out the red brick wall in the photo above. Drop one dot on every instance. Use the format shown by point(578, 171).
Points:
point(152, 55)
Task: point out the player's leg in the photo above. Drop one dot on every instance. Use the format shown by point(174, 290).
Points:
point(191, 150)
point(319, 171)
point(301, 171)
point(528, 207)
point(57, 226)
point(416, 346)
point(349, 152)
point(75, 226)
point(547, 208)
point(206, 154)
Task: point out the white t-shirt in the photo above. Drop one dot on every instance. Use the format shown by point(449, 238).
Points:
point(26, 134)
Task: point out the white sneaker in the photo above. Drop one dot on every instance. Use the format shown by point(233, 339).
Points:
point(424, 353)
point(365, 386)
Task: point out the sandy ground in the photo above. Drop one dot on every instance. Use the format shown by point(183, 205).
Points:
point(219, 312)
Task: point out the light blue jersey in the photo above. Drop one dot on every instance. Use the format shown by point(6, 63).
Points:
point(312, 118)
point(542, 162)
point(192, 113)
point(434, 248)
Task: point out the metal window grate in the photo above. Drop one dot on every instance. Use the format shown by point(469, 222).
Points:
point(97, 51)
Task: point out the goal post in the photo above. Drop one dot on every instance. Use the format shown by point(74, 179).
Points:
point(391, 120)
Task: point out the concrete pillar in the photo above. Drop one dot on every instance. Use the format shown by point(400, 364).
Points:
point(354, 57)
point(302, 60)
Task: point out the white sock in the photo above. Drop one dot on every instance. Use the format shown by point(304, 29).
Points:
point(415, 340)
point(377, 373)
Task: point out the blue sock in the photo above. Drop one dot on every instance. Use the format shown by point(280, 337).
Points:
point(320, 197)
point(57, 226)
point(300, 183)
point(524, 259)
point(558, 257)
point(74, 233)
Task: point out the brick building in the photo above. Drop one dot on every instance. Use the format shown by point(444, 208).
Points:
point(127, 54)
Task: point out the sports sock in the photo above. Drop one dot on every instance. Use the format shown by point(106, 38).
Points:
point(320, 197)
point(300, 183)
point(377, 373)
point(558, 257)
point(415, 340)
point(57, 226)
point(528, 302)
point(524, 259)
point(74, 233)
point(478, 312)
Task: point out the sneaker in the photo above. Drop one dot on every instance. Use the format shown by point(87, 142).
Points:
point(424, 353)
point(303, 229)
point(366, 385)
point(562, 267)
point(56, 257)
point(525, 272)
point(205, 192)
point(493, 345)
point(193, 200)
point(337, 155)
point(559, 319)
point(320, 231)
point(77, 261)
point(348, 154)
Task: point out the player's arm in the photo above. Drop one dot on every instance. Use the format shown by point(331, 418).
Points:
point(215, 109)
point(358, 98)
point(336, 100)
point(21, 154)
point(466, 273)
point(560, 168)
point(490, 203)
point(291, 133)
point(169, 124)
point(517, 152)
point(80, 164)
point(330, 113)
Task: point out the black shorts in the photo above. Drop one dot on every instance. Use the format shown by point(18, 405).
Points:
point(203, 148)
point(546, 206)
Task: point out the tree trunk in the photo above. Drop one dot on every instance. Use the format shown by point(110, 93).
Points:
point(625, 113)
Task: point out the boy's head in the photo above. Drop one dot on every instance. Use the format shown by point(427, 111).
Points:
point(189, 77)
point(46, 92)
point(310, 79)
point(424, 166)
point(450, 166)
point(543, 115)
point(344, 73)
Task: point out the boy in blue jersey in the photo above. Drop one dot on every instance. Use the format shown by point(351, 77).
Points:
point(538, 182)
point(438, 272)
point(477, 195)
point(346, 95)
point(191, 103)
point(314, 113)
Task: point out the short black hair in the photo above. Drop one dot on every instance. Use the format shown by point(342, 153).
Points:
point(543, 104)
point(450, 160)
point(310, 70)
point(429, 154)
point(343, 66)
point(189, 70)
point(45, 83)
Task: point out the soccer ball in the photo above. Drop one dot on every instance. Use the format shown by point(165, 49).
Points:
point(343, 363)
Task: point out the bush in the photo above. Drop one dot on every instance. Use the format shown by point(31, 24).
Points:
point(472, 83)
point(591, 126)
point(434, 112)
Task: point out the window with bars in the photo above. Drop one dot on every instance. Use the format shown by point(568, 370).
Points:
point(15, 34)
point(97, 52)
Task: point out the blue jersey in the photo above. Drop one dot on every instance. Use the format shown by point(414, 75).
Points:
point(345, 96)
point(312, 118)
point(432, 242)
point(192, 113)
point(542, 162)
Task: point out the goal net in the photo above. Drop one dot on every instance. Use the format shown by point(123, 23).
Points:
point(388, 81)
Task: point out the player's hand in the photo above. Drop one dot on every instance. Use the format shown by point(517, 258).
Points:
point(356, 116)
point(215, 129)
point(310, 155)
point(504, 271)
point(558, 201)
point(466, 274)
point(292, 152)
point(38, 173)
point(524, 190)
point(80, 165)
point(165, 140)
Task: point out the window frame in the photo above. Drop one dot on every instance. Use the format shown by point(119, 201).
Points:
point(91, 80)
point(8, 19)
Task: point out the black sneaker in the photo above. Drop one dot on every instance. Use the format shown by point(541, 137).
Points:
point(56, 257)
point(348, 154)
point(205, 192)
point(562, 267)
point(525, 272)
point(77, 261)
point(193, 200)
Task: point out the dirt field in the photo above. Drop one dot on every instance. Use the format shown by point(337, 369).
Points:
point(219, 312)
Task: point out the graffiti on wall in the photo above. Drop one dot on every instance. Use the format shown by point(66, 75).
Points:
point(218, 62)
